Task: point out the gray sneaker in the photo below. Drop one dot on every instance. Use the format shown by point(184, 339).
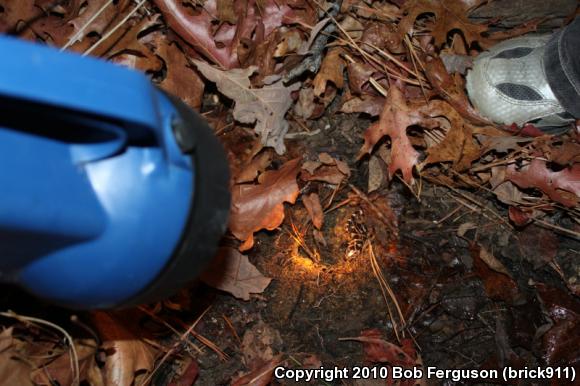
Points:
point(508, 85)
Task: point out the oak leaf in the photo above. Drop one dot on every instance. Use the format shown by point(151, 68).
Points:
point(266, 106)
point(561, 186)
point(331, 70)
point(232, 272)
point(394, 120)
point(261, 206)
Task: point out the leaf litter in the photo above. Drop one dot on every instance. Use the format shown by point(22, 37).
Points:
point(316, 103)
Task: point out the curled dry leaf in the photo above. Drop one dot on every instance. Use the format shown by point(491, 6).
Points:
point(126, 353)
point(261, 206)
point(266, 106)
point(562, 186)
point(232, 272)
point(312, 203)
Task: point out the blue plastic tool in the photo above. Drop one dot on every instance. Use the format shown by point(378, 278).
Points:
point(111, 191)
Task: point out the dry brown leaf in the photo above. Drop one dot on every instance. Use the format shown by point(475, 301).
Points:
point(395, 118)
point(449, 16)
point(127, 354)
point(312, 203)
point(562, 186)
point(261, 376)
point(447, 87)
point(266, 106)
point(257, 165)
point(327, 169)
point(370, 104)
point(261, 206)
point(13, 371)
point(59, 370)
point(376, 173)
point(260, 344)
point(331, 70)
point(492, 261)
point(358, 76)
point(458, 145)
point(232, 272)
point(180, 80)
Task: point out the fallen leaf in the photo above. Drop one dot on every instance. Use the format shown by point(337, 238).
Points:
point(128, 357)
point(60, 371)
point(261, 206)
point(188, 376)
point(260, 344)
point(326, 169)
point(377, 350)
point(331, 70)
point(266, 106)
point(257, 165)
point(358, 76)
point(376, 175)
point(492, 261)
point(447, 87)
point(395, 118)
point(180, 79)
point(312, 203)
point(232, 272)
point(449, 16)
point(369, 104)
point(222, 48)
point(13, 371)
point(562, 186)
point(262, 376)
point(518, 216)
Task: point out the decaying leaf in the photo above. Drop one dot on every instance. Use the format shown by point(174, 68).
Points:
point(261, 206)
point(492, 261)
point(562, 186)
point(312, 203)
point(266, 106)
point(232, 272)
point(127, 354)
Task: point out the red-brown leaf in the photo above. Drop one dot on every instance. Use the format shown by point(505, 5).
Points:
point(261, 206)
